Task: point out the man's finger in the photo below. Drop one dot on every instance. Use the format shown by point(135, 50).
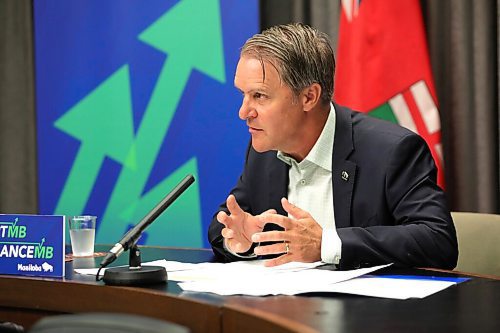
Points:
point(283, 221)
point(270, 236)
point(293, 210)
point(275, 248)
point(227, 233)
point(223, 218)
point(233, 206)
point(234, 245)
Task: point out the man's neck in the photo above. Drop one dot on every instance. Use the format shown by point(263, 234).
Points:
point(314, 122)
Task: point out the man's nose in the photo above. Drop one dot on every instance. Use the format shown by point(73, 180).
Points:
point(246, 110)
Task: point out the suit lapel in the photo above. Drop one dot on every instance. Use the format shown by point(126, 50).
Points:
point(343, 170)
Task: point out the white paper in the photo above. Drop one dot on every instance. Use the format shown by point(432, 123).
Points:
point(254, 279)
point(180, 271)
point(273, 282)
point(387, 287)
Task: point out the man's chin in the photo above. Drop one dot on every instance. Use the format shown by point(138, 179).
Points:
point(260, 148)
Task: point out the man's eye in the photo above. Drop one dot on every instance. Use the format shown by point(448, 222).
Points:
point(258, 96)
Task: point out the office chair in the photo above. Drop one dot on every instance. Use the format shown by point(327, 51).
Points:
point(104, 323)
point(478, 242)
point(9, 327)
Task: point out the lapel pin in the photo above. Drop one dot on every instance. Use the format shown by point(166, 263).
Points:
point(345, 176)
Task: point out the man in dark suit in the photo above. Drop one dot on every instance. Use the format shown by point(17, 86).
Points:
point(322, 182)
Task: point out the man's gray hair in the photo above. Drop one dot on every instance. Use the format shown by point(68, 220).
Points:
point(301, 54)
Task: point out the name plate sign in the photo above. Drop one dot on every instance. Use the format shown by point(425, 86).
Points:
point(32, 245)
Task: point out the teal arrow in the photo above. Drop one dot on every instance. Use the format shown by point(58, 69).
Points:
point(103, 122)
point(179, 225)
point(190, 35)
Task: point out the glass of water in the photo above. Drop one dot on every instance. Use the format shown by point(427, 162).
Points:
point(82, 234)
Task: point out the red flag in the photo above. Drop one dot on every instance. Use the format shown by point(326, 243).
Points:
point(383, 67)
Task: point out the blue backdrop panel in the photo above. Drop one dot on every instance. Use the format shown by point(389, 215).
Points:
point(131, 96)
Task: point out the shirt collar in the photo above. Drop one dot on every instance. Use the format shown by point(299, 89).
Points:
point(321, 152)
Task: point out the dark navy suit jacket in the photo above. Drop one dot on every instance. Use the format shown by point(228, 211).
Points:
point(388, 207)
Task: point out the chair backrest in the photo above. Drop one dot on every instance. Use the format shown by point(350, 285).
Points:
point(478, 242)
point(104, 323)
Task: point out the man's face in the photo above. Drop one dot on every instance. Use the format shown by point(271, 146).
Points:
point(272, 112)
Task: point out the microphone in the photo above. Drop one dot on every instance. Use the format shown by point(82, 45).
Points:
point(129, 240)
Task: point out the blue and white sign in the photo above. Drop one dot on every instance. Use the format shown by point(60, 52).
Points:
point(32, 245)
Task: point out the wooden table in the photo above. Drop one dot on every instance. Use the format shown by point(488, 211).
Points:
point(470, 306)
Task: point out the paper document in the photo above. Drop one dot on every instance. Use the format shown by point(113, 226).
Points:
point(180, 271)
point(274, 282)
point(254, 279)
point(379, 286)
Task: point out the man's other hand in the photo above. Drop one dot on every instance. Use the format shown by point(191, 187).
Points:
point(300, 241)
point(239, 226)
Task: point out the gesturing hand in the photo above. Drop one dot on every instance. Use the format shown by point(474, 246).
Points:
point(300, 241)
point(239, 226)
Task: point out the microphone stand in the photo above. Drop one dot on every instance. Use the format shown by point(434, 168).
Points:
point(135, 274)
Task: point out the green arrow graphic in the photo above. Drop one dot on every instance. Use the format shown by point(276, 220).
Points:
point(94, 122)
point(10, 223)
point(190, 35)
point(25, 243)
point(179, 225)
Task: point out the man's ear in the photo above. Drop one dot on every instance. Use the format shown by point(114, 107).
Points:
point(311, 96)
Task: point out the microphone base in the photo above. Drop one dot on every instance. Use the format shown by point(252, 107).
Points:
point(124, 276)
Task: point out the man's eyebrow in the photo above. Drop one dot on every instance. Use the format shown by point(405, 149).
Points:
point(252, 90)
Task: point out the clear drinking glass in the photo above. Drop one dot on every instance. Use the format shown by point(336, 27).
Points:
point(82, 234)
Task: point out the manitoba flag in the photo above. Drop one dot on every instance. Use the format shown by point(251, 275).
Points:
point(383, 67)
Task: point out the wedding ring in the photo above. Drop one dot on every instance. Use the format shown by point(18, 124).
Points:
point(287, 247)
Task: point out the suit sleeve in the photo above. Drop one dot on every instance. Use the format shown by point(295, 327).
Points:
point(241, 192)
point(418, 230)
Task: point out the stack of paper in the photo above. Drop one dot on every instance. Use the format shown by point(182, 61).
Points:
point(253, 278)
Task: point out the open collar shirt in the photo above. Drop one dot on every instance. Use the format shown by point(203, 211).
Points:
point(310, 188)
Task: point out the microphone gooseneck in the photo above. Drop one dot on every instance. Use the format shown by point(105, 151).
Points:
point(131, 237)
